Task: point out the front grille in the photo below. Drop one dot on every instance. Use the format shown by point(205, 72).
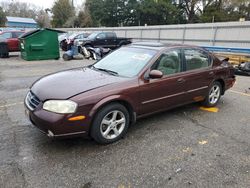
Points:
point(32, 101)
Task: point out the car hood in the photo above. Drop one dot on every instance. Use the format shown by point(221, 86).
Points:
point(66, 84)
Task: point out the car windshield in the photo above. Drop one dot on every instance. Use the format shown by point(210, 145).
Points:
point(126, 61)
point(93, 35)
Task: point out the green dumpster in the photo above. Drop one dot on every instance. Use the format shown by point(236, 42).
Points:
point(40, 44)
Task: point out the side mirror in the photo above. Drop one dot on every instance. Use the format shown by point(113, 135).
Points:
point(154, 74)
point(98, 38)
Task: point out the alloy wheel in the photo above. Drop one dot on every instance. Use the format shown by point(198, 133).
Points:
point(113, 124)
point(214, 94)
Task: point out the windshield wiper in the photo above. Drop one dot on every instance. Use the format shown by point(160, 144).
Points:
point(106, 70)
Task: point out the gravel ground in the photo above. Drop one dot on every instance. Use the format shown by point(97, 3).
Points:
point(184, 147)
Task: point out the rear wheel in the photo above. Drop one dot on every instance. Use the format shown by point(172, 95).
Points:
point(110, 124)
point(213, 95)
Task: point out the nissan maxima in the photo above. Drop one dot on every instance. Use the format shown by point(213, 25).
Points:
point(102, 100)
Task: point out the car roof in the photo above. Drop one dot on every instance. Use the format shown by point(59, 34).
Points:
point(159, 46)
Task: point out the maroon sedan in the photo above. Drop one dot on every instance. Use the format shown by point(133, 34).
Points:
point(103, 99)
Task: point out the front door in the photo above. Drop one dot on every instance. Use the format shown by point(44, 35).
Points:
point(101, 40)
point(168, 91)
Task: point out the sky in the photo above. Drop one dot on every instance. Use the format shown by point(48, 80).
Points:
point(44, 3)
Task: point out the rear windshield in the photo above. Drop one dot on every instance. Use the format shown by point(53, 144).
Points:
point(127, 61)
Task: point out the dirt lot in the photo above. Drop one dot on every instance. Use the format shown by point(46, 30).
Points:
point(184, 147)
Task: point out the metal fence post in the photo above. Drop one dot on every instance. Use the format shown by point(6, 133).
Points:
point(141, 34)
point(184, 35)
point(215, 35)
point(159, 35)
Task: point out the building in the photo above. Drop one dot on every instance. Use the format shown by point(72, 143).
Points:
point(18, 22)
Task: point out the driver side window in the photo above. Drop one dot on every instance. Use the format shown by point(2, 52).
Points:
point(169, 62)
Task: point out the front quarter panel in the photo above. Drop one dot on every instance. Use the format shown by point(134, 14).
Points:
point(90, 102)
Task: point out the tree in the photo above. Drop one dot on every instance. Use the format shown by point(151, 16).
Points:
point(62, 12)
point(2, 17)
point(134, 12)
point(226, 10)
point(96, 11)
point(159, 12)
point(43, 19)
point(192, 8)
point(131, 13)
point(20, 9)
point(84, 18)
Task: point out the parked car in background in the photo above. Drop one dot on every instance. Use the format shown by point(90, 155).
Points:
point(11, 37)
point(105, 40)
point(103, 99)
point(242, 69)
point(70, 38)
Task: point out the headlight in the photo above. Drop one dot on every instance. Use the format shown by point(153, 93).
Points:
point(60, 106)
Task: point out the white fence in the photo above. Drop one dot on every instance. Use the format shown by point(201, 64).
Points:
point(227, 34)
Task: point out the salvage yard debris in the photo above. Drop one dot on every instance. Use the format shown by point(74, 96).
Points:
point(203, 142)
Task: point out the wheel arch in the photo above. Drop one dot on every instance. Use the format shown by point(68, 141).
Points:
point(222, 82)
point(114, 99)
point(121, 43)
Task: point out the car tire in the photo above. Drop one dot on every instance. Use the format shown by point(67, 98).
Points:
point(122, 44)
point(213, 95)
point(110, 124)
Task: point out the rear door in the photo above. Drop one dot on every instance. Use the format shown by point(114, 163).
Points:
point(111, 40)
point(168, 91)
point(198, 73)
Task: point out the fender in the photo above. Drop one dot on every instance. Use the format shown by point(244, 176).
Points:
point(110, 99)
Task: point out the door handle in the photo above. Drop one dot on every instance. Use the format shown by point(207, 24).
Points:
point(181, 80)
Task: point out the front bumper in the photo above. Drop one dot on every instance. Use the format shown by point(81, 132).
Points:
point(57, 125)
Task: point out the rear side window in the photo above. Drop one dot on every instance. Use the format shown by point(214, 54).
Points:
point(110, 35)
point(196, 59)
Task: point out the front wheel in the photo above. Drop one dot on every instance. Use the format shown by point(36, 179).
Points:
point(213, 95)
point(110, 124)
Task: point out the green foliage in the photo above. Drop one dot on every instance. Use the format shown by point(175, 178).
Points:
point(84, 18)
point(219, 11)
point(113, 13)
point(134, 12)
point(63, 14)
point(2, 17)
point(159, 12)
